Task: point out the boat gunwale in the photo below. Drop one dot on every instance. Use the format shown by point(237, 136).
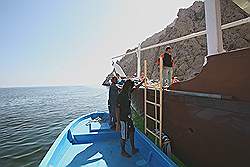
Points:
point(58, 140)
point(157, 150)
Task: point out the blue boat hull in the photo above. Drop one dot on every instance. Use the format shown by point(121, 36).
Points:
point(88, 141)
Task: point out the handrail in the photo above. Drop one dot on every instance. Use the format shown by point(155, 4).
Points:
point(199, 94)
point(235, 23)
point(196, 94)
point(125, 54)
point(196, 34)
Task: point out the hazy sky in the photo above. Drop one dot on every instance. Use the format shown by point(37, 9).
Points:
point(59, 42)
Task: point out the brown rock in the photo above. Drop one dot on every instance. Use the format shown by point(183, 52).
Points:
point(189, 54)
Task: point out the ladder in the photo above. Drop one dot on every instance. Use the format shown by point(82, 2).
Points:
point(157, 120)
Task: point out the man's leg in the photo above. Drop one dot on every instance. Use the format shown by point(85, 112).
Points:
point(113, 114)
point(131, 129)
point(118, 122)
point(123, 139)
point(169, 75)
point(110, 115)
point(164, 75)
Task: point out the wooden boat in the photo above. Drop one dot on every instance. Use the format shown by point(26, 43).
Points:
point(208, 117)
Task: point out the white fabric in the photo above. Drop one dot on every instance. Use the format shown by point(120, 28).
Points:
point(123, 130)
point(119, 70)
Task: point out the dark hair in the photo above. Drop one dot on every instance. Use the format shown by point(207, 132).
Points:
point(168, 47)
point(127, 86)
point(113, 78)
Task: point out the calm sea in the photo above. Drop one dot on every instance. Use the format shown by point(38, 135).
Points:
point(32, 118)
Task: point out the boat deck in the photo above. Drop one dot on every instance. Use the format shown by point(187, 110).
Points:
point(106, 153)
point(99, 153)
point(90, 142)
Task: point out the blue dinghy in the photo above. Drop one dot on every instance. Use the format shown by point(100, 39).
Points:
point(89, 141)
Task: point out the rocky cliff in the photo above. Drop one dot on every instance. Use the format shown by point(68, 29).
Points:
point(189, 54)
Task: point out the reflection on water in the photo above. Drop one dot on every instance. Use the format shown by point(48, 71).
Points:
point(32, 118)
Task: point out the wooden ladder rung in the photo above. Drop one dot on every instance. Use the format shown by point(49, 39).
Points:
point(155, 87)
point(153, 103)
point(151, 87)
point(153, 118)
point(152, 133)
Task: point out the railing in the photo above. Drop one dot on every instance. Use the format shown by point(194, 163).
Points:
point(196, 34)
point(193, 35)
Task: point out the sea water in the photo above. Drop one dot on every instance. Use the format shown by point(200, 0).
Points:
point(32, 118)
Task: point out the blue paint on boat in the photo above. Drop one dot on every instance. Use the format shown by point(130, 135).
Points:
point(89, 141)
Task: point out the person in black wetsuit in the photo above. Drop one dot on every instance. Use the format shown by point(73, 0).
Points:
point(125, 117)
point(112, 102)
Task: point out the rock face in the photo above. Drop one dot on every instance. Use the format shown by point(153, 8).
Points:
point(189, 54)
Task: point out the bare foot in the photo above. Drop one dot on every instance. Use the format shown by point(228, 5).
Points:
point(125, 154)
point(134, 151)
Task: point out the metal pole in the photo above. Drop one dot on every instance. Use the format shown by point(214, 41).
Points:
point(161, 68)
point(213, 27)
point(139, 60)
point(156, 112)
point(145, 96)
